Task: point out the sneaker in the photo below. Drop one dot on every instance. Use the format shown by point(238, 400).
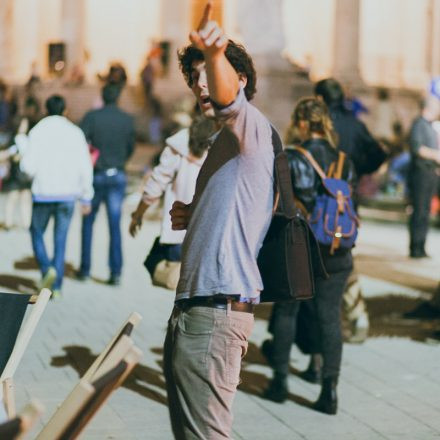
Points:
point(114, 280)
point(81, 276)
point(360, 329)
point(48, 279)
point(56, 294)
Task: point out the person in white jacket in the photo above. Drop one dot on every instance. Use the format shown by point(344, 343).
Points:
point(175, 177)
point(56, 156)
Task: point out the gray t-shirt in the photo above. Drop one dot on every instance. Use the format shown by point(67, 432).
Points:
point(231, 209)
point(422, 133)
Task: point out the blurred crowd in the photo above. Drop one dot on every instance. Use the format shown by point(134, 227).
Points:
point(393, 174)
point(48, 163)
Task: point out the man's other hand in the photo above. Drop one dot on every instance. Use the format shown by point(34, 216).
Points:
point(180, 215)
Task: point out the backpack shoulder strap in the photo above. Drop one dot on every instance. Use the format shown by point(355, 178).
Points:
point(340, 165)
point(312, 161)
point(331, 170)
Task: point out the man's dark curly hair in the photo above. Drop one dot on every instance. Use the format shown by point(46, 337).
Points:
point(236, 55)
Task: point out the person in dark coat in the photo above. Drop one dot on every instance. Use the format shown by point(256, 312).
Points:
point(111, 131)
point(367, 155)
point(311, 121)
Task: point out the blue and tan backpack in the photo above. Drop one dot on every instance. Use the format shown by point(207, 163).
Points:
point(333, 219)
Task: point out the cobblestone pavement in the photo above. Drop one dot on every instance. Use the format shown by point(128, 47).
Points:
point(389, 387)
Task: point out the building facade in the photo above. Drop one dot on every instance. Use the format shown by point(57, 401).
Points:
point(395, 43)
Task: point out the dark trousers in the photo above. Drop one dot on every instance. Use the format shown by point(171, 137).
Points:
point(327, 308)
point(110, 189)
point(423, 184)
point(41, 214)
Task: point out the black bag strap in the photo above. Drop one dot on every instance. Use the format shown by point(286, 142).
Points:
point(282, 177)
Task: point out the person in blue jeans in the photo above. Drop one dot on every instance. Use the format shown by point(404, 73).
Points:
point(56, 156)
point(42, 212)
point(110, 189)
point(111, 131)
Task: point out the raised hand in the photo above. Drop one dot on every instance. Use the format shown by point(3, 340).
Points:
point(209, 37)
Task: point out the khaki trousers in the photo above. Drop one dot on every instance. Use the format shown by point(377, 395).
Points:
point(202, 361)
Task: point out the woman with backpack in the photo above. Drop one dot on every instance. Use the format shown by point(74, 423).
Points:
point(314, 158)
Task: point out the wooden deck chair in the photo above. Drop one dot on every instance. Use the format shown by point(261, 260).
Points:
point(14, 338)
point(63, 415)
point(126, 330)
point(86, 399)
point(15, 428)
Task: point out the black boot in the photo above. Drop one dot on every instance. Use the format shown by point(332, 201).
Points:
point(327, 402)
point(313, 372)
point(267, 350)
point(277, 390)
point(417, 250)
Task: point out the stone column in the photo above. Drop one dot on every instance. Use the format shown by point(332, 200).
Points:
point(434, 38)
point(176, 17)
point(6, 40)
point(260, 26)
point(346, 41)
point(73, 31)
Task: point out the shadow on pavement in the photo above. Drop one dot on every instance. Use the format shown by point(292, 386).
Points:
point(30, 263)
point(401, 316)
point(383, 267)
point(26, 263)
point(17, 283)
point(390, 315)
point(80, 359)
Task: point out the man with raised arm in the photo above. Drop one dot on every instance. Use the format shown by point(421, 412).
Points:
point(226, 223)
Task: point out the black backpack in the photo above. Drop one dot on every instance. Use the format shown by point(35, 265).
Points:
point(289, 259)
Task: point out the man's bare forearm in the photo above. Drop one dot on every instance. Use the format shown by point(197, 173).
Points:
point(223, 82)
point(140, 209)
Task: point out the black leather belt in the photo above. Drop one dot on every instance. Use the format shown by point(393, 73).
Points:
point(214, 303)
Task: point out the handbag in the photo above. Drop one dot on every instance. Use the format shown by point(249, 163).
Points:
point(163, 264)
point(167, 274)
point(289, 258)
